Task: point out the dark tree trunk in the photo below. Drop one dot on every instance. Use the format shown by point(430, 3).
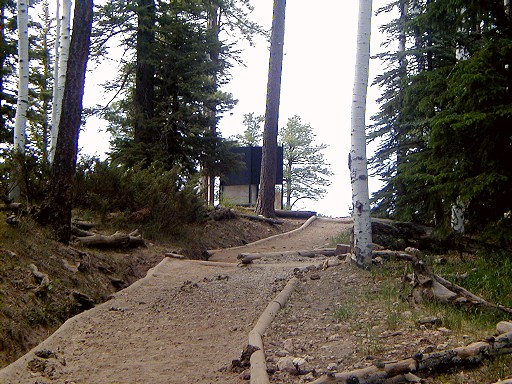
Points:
point(267, 192)
point(64, 165)
point(145, 77)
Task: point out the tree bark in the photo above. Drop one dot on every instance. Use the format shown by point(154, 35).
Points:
point(60, 72)
point(362, 247)
point(64, 165)
point(267, 191)
point(145, 77)
point(22, 98)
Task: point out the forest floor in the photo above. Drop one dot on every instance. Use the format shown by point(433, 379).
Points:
point(186, 321)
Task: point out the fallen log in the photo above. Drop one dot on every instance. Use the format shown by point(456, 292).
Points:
point(11, 207)
point(261, 219)
point(86, 225)
point(80, 232)
point(247, 258)
point(433, 287)
point(395, 371)
point(285, 214)
point(117, 240)
point(427, 285)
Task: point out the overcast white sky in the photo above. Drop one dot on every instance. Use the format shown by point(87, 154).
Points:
point(317, 82)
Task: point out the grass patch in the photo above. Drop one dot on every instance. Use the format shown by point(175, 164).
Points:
point(344, 237)
point(343, 312)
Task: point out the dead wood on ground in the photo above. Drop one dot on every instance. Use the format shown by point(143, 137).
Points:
point(429, 286)
point(396, 371)
point(117, 240)
point(11, 207)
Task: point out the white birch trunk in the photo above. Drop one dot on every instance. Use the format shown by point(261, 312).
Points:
point(53, 133)
point(362, 247)
point(64, 41)
point(23, 73)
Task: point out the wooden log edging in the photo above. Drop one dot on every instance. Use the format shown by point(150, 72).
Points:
point(247, 258)
point(396, 371)
point(257, 359)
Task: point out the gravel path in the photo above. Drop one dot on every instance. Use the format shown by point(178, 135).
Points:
point(183, 323)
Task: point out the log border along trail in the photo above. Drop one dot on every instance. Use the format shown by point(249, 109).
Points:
point(182, 323)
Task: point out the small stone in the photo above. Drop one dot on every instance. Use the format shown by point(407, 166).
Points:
point(442, 347)
point(444, 330)
point(285, 364)
point(334, 337)
point(308, 378)
point(332, 367)
point(299, 362)
point(503, 327)
point(282, 353)
point(315, 276)
point(288, 345)
point(430, 320)
point(406, 314)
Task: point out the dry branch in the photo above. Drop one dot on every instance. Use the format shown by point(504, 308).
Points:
point(174, 255)
point(42, 278)
point(393, 372)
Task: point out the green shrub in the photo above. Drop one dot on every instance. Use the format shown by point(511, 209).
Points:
point(159, 200)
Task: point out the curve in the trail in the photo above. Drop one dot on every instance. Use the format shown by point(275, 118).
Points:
point(315, 233)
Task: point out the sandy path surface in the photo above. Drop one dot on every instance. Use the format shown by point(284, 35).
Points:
point(182, 323)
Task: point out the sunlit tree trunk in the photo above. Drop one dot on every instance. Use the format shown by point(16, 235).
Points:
point(267, 191)
point(214, 28)
point(362, 246)
point(59, 84)
point(64, 166)
point(55, 97)
point(22, 101)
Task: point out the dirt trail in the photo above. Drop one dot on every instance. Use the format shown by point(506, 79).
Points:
point(182, 323)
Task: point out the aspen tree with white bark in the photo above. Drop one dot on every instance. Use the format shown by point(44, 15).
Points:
point(22, 101)
point(267, 191)
point(362, 239)
point(64, 25)
point(53, 131)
